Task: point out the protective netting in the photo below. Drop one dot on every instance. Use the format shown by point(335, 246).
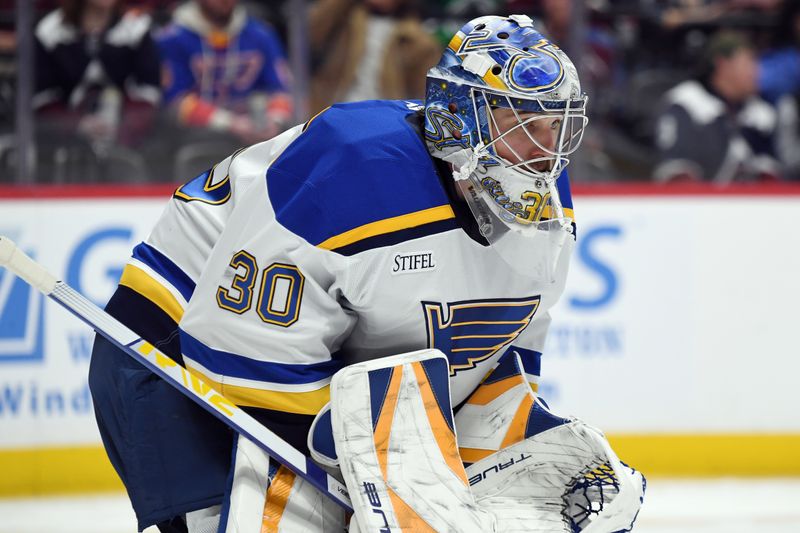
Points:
point(590, 494)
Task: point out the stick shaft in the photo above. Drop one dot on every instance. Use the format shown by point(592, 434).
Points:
point(190, 385)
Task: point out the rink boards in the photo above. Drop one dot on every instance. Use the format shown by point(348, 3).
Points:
point(675, 335)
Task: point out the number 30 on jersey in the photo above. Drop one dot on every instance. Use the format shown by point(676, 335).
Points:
point(279, 293)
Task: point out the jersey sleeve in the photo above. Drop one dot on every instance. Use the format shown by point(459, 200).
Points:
point(139, 415)
point(164, 268)
point(265, 321)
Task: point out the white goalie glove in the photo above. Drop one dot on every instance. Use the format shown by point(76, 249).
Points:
point(537, 471)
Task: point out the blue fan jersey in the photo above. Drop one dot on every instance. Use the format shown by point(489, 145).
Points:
point(222, 67)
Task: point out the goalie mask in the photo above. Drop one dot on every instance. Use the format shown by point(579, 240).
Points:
point(504, 107)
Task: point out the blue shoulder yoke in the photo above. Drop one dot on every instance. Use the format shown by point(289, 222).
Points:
point(359, 177)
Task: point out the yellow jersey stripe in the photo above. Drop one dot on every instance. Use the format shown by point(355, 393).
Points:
point(389, 225)
point(140, 281)
point(302, 403)
point(307, 124)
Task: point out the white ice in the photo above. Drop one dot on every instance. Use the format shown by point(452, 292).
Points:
point(671, 506)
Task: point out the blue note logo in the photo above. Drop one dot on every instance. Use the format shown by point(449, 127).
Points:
point(21, 319)
point(470, 332)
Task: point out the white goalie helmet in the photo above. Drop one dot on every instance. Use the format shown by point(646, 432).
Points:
point(504, 107)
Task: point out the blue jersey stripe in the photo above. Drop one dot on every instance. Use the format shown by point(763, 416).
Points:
point(165, 268)
point(238, 366)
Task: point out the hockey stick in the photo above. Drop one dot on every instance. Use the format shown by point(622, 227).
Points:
point(15, 260)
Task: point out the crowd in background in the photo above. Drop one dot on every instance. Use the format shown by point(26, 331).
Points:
point(153, 90)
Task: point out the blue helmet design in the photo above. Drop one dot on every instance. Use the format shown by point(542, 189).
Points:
point(503, 62)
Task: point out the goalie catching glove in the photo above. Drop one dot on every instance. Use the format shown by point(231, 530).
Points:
point(537, 471)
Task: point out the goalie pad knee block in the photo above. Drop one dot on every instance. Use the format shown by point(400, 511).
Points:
point(397, 447)
point(537, 471)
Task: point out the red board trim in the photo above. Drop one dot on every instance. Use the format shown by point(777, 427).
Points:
point(69, 192)
point(10, 192)
point(687, 189)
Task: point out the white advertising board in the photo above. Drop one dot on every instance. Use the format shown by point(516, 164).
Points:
point(44, 351)
point(680, 315)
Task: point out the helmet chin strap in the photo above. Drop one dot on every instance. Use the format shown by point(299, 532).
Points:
point(464, 162)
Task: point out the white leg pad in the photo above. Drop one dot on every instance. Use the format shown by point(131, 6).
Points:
point(281, 503)
point(296, 506)
point(249, 490)
point(393, 427)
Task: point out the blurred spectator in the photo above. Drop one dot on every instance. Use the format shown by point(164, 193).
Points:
point(779, 82)
point(715, 128)
point(224, 72)
point(677, 13)
point(779, 73)
point(8, 70)
point(602, 76)
point(96, 73)
point(366, 49)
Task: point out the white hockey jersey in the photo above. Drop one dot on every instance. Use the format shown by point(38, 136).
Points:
point(337, 241)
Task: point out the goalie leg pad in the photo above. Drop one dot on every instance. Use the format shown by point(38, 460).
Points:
point(397, 449)
point(266, 497)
